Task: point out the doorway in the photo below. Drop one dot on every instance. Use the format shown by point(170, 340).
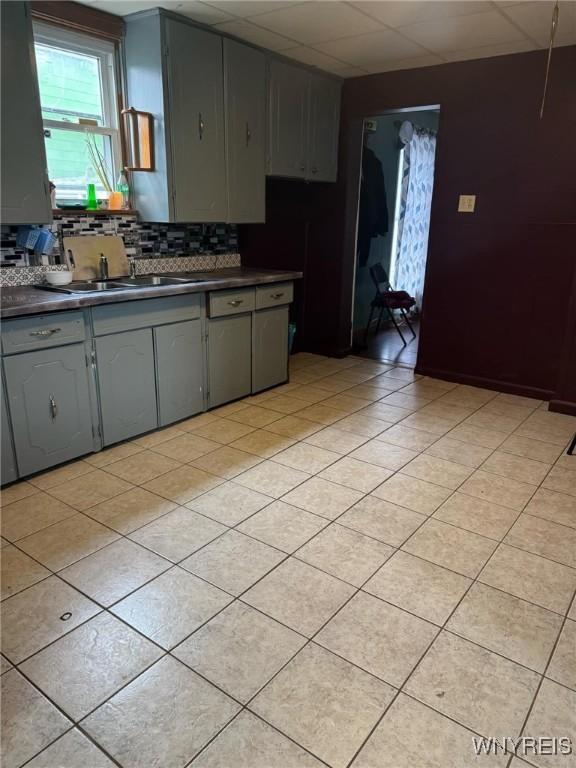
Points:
point(393, 222)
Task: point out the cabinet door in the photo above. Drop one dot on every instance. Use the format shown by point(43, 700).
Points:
point(229, 358)
point(179, 370)
point(196, 115)
point(245, 100)
point(25, 194)
point(9, 470)
point(127, 384)
point(288, 107)
point(323, 127)
point(270, 349)
point(49, 400)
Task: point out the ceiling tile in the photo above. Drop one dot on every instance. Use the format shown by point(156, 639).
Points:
point(312, 57)
point(247, 8)
point(202, 12)
point(463, 32)
point(535, 19)
point(349, 72)
point(428, 60)
point(375, 48)
point(256, 35)
point(486, 51)
point(193, 9)
point(400, 13)
point(317, 21)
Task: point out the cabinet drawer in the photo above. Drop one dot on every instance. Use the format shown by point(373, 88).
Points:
point(25, 334)
point(129, 316)
point(274, 295)
point(232, 302)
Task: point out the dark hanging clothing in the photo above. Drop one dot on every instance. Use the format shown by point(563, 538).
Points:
point(373, 214)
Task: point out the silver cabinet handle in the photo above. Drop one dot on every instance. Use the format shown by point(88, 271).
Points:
point(302, 167)
point(314, 170)
point(45, 332)
point(200, 126)
point(248, 134)
point(236, 302)
point(276, 295)
point(53, 407)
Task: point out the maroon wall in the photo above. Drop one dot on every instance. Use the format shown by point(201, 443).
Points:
point(498, 282)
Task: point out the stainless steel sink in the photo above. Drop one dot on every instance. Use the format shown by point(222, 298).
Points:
point(120, 284)
point(86, 286)
point(148, 280)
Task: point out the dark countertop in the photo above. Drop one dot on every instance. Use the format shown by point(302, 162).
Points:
point(28, 300)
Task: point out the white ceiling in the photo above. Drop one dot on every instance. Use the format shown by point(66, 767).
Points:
point(356, 38)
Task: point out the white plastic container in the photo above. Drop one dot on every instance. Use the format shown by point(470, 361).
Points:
point(58, 277)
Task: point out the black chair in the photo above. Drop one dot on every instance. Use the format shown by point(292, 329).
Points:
point(572, 446)
point(388, 300)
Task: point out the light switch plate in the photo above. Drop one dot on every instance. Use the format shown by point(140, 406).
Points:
point(466, 203)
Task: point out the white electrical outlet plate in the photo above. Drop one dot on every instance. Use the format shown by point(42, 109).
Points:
point(466, 203)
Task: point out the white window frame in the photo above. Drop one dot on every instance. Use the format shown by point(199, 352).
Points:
point(105, 51)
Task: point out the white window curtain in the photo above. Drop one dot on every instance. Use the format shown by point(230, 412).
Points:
point(414, 219)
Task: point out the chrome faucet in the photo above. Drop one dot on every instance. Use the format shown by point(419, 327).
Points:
point(103, 267)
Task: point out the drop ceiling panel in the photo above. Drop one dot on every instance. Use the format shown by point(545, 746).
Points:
point(399, 13)
point(534, 19)
point(462, 32)
point(256, 35)
point(315, 22)
point(368, 36)
point(247, 8)
point(373, 49)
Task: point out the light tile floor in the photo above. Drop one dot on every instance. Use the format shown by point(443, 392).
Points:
point(362, 567)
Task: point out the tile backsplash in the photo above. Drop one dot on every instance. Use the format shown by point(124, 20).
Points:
point(142, 239)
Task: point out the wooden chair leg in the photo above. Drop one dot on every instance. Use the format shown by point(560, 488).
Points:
point(572, 447)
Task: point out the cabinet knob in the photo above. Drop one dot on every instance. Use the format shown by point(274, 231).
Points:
point(276, 295)
point(248, 134)
point(302, 167)
point(236, 302)
point(314, 170)
point(200, 126)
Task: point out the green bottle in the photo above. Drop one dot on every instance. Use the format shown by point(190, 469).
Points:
point(92, 201)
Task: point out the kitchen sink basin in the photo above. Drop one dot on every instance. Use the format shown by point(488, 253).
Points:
point(148, 280)
point(120, 284)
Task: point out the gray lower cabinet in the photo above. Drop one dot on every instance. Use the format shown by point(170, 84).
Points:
point(270, 348)
point(229, 358)
point(127, 383)
point(179, 370)
point(9, 469)
point(49, 398)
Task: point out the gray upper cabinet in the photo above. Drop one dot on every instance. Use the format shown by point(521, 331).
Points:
point(245, 109)
point(127, 382)
point(287, 119)
point(49, 398)
point(175, 71)
point(323, 127)
point(9, 471)
point(303, 123)
point(179, 370)
point(195, 95)
point(25, 193)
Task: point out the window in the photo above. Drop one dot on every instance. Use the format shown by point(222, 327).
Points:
point(76, 75)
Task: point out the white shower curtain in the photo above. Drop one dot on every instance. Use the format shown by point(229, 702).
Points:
point(414, 219)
